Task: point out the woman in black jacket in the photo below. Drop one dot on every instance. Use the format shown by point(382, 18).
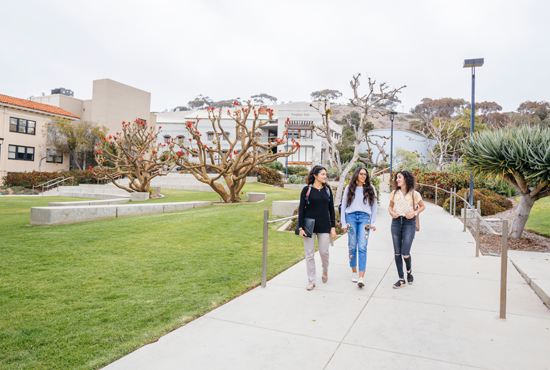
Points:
point(317, 202)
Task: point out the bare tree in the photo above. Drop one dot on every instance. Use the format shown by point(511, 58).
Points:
point(443, 131)
point(376, 94)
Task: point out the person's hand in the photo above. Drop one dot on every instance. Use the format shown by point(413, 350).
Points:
point(303, 233)
point(409, 215)
point(393, 214)
point(333, 233)
point(345, 229)
point(373, 228)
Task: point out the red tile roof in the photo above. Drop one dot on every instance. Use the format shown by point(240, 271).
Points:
point(4, 99)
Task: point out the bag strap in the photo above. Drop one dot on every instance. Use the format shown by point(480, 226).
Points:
point(309, 190)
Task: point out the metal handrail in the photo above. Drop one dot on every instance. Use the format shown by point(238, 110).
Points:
point(59, 182)
point(477, 214)
point(47, 182)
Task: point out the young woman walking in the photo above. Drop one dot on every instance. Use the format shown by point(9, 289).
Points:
point(405, 205)
point(317, 203)
point(358, 216)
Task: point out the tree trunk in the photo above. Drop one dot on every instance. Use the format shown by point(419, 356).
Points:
point(522, 215)
point(343, 174)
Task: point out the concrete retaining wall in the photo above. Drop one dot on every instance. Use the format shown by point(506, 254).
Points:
point(294, 186)
point(90, 203)
point(285, 207)
point(94, 195)
point(44, 216)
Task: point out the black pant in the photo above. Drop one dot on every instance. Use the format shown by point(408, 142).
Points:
point(402, 232)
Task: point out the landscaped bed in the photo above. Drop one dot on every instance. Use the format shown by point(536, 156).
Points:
point(81, 295)
point(533, 238)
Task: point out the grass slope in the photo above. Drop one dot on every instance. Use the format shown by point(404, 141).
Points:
point(539, 219)
point(80, 296)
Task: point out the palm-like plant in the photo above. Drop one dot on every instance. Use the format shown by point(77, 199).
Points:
point(521, 156)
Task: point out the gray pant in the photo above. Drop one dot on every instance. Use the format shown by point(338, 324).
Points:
point(309, 247)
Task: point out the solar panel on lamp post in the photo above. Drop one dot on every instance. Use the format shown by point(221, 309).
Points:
point(392, 114)
point(473, 63)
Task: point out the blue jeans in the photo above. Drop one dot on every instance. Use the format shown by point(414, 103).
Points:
point(402, 232)
point(358, 238)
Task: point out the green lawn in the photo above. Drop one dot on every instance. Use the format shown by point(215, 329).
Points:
point(539, 219)
point(79, 296)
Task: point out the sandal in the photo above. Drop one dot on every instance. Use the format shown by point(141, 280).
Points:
point(400, 283)
point(410, 277)
point(310, 287)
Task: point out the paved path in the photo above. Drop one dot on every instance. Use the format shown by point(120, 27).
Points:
point(448, 319)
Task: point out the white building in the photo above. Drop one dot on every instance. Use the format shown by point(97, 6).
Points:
point(313, 149)
point(404, 139)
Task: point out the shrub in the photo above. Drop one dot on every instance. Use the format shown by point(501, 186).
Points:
point(332, 172)
point(276, 165)
point(35, 178)
point(293, 179)
point(294, 170)
point(268, 175)
point(491, 202)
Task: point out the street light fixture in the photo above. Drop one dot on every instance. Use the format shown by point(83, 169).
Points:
point(473, 63)
point(392, 114)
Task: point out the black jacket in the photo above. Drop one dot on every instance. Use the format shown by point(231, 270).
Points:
point(320, 208)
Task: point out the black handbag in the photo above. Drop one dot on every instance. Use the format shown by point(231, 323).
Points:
point(309, 224)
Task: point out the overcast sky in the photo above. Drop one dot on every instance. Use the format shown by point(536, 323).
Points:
point(225, 49)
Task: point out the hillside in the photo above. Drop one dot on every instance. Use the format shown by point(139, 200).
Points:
point(401, 121)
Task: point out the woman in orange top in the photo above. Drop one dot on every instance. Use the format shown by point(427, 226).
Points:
point(403, 227)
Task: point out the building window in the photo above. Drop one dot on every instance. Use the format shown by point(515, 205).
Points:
point(210, 135)
point(53, 158)
point(167, 139)
point(22, 126)
point(226, 135)
point(180, 138)
point(22, 153)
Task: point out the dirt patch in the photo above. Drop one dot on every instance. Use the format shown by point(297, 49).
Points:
point(491, 244)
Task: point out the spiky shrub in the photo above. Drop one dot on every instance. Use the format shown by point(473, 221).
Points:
point(521, 156)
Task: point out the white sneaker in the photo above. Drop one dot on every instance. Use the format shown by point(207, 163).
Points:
point(354, 277)
point(360, 283)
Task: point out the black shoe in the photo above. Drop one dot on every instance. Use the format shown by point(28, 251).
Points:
point(400, 283)
point(410, 278)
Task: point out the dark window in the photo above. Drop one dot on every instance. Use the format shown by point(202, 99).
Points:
point(166, 139)
point(226, 134)
point(22, 126)
point(53, 158)
point(22, 153)
point(210, 136)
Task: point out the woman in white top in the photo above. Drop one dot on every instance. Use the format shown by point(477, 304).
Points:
point(403, 227)
point(358, 215)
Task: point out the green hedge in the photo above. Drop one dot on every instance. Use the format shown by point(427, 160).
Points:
point(35, 178)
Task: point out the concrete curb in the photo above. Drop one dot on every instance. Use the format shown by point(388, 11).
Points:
point(46, 216)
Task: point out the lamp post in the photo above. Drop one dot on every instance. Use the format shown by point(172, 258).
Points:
point(392, 114)
point(473, 63)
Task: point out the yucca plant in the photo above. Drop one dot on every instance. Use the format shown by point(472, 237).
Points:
point(521, 156)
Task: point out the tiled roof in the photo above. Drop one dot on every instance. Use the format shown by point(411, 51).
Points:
point(4, 99)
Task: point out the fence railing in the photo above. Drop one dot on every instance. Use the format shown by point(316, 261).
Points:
point(503, 234)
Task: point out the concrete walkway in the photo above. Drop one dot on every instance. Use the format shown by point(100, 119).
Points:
point(535, 268)
point(448, 319)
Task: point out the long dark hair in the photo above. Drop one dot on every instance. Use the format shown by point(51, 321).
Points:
point(368, 191)
point(314, 172)
point(410, 181)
